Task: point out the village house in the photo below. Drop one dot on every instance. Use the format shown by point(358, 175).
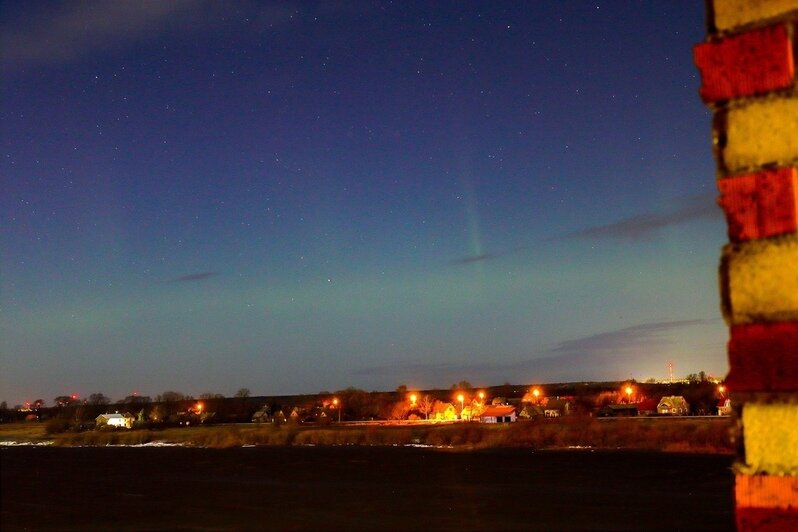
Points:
point(673, 405)
point(724, 407)
point(531, 411)
point(556, 407)
point(472, 412)
point(498, 414)
point(443, 412)
point(114, 420)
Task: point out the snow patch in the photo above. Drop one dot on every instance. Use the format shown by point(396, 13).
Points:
point(12, 443)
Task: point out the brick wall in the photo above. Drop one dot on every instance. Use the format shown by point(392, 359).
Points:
point(747, 66)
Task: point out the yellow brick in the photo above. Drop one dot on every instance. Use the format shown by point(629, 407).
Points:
point(766, 491)
point(762, 132)
point(732, 13)
point(759, 280)
point(770, 436)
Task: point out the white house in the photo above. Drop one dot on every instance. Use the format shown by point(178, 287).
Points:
point(674, 405)
point(114, 420)
point(498, 414)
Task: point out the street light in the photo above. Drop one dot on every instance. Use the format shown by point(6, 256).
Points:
point(629, 391)
point(481, 397)
point(336, 405)
point(536, 393)
point(721, 389)
point(413, 398)
point(461, 398)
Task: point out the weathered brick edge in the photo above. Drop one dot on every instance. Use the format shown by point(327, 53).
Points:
point(760, 204)
point(766, 491)
point(747, 64)
point(763, 356)
point(748, 72)
point(741, 15)
point(766, 519)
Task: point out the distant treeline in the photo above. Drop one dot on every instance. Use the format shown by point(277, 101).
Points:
point(351, 404)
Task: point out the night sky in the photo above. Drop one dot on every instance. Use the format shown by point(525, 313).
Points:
point(295, 197)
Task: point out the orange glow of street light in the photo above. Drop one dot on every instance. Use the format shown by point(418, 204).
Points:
point(460, 398)
point(413, 399)
point(721, 388)
point(629, 390)
point(198, 407)
point(536, 393)
point(335, 405)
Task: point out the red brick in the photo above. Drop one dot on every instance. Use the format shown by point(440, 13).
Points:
point(766, 519)
point(760, 205)
point(766, 491)
point(751, 63)
point(763, 357)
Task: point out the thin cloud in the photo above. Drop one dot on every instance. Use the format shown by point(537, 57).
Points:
point(80, 28)
point(603, 356)
point(438, 368)
point(647, 334)
point(485, 257)
point(194, 277)
point(638, 227)
point(643, 226)
point(471, 259)
point(76, 30)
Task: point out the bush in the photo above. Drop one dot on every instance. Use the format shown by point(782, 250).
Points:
point(57, 425)
point(680, 435)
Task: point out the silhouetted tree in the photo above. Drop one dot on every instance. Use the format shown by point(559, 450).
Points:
point(243, 393)
point(170, 397)
point(701, 396)
point(400, 410)
point(425, 405)
point(135, 399)
point(64, 400)
point(98, 399)
point(157, 413)
point(462, 385)
point(209, 395)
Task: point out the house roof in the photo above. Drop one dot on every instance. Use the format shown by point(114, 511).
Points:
point(111, 416)
point(672, 400)
point(441, 407)
point(533, 409)
point(497, 410)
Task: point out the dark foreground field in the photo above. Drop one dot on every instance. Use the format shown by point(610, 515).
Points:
point(361, 488)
